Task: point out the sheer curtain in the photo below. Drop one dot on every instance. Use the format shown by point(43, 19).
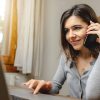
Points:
point(9, 32)
point(7, 29)
point(28, 56)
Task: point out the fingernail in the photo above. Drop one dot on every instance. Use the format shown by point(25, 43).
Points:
point(34, 92)
point(91, 22)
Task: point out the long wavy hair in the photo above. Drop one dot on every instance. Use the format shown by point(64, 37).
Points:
point(86, 13)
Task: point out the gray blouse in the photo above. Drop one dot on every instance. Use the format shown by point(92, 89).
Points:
point(93, 83)
point(76, 83)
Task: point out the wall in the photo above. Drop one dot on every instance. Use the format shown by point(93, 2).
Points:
point(53, 11)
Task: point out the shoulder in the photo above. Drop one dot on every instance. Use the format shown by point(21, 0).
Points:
point(64, 60)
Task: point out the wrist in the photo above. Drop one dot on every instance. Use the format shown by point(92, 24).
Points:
point(46, 88)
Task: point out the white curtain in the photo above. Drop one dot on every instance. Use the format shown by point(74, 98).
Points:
point(28, 56)
point(7, 28)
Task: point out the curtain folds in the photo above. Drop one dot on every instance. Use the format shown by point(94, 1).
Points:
point(10, 32)
point(28, 56)
point(7, 29)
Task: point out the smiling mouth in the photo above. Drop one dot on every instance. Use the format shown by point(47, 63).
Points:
point(76, 42)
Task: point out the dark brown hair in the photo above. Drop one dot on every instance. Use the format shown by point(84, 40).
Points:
point(86, 13)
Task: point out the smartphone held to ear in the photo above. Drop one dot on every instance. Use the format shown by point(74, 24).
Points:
point(90, 41)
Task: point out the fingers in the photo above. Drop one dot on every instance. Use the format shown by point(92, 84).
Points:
point(39, 86)
point(98, 40)
point(30, 83)
point(93, 28)
point(93, 32)
point(91, 22)
point(35, 84)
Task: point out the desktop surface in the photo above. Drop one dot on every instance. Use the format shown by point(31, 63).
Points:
point(20, 93)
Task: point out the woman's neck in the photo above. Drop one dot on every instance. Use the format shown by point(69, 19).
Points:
point(85, 53)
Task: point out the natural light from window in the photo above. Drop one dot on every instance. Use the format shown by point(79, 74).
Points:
point(2, 10)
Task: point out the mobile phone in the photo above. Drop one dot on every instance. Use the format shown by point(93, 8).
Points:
point(90, 41)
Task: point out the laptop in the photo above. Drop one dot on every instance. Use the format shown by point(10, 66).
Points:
point(3, 88)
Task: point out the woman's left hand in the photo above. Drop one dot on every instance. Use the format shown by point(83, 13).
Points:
point(94, 28)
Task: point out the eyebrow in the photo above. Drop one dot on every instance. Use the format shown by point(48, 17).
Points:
point(76, 26)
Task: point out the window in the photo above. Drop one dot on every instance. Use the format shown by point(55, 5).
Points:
point(2, 10)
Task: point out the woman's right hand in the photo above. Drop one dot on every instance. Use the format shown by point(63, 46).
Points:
point(38, 85)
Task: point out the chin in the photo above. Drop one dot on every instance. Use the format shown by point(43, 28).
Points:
point(77, 47)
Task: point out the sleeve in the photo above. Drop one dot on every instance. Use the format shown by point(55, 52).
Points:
point(93, 82)
point(59, 77)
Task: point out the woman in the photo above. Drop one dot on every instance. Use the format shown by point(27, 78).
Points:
point(80, 52)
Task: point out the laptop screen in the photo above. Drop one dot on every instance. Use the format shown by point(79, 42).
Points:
point(3, 87)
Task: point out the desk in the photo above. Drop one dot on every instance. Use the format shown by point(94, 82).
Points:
point(19, 93)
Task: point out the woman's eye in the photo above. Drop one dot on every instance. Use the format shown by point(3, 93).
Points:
point(77, 28)
point(66, 30)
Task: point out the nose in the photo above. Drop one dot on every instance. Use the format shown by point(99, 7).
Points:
point(72, 34)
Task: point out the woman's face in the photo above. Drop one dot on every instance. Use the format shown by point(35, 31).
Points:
point(76, 32)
